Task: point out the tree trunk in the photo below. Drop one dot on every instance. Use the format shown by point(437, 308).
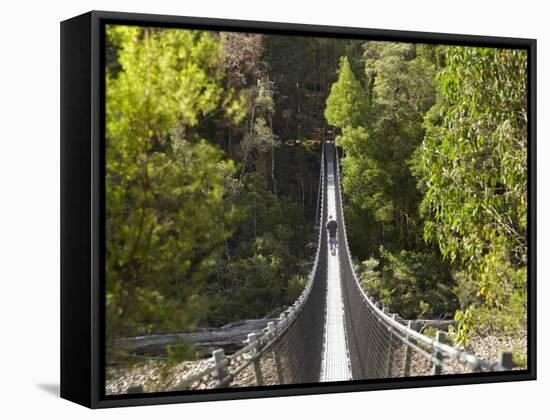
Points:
point(246, 152)
point(255, 218)
point(273, 180)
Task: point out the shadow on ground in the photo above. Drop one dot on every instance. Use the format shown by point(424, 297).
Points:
point(52, 389)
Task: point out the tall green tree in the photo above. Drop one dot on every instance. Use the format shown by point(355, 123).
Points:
point(347, 103)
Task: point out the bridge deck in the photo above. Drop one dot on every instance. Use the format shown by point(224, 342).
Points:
point(335, 365)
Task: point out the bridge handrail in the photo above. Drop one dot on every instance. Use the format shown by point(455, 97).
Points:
point(390, 320)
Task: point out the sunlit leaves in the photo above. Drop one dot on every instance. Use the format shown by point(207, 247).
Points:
point(473, 168)
point(474, 156)
point(347, 103)
point(164, 187)
point(414, 284)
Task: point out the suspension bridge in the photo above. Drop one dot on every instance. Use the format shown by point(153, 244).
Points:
point(335, 331)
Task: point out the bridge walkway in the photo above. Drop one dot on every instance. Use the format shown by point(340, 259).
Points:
point(335, 362)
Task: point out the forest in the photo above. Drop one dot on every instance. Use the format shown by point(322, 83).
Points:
point(212, 169)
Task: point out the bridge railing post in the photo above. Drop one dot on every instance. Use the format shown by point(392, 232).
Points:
point(221, 362)
point(389, 367)
point(505, 361)
point(255, 356)
point(407, 357)
point(440, 338)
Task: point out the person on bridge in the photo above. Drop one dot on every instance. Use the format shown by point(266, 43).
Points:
point(332, 228)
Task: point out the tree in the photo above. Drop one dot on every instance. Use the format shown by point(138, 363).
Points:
point(303, 69)
point(267, 254)
point(241, 64)
point(241, 57)
point(164, 187)
point(477, 145)
point(413, 284)
point(474, 168)
point(381, 126)
point(260, 138)
point(347, 103)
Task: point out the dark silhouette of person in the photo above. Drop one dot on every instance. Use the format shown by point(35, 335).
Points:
point(332, 228)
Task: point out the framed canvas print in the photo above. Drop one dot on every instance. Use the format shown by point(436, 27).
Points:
point(255, 209)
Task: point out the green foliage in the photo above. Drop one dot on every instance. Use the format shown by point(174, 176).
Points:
point(381, 125)
point(413, 284)
point(261, 139)
point(519, 355)
point(461, 333)
point(474, 157)
point(262, 272)
point(369, 274)
point(430, 331)
point(164, 193)
point(473, 164)
point(189, 243)
point(347, 103)
point(167, 212)
point(498, 302)
point(303, 69)
point(295, 287)
point(179, 352)
point(157, 236)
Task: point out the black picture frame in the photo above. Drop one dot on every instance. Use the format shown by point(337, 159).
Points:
point(83, 214)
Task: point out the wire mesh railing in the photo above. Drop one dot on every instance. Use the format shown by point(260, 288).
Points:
point(288, 350)
point(381, 344)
